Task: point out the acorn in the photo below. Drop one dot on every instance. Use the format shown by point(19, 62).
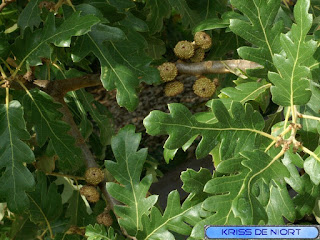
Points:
point(204, 87)
point(202, 40)
point(173, 88)
point(105, 219)
point(90, 193)
point(198, 55)
point(184, 50)
point(168, 71)
point(94, 176)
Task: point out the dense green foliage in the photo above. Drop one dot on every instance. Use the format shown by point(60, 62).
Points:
point(261, 127)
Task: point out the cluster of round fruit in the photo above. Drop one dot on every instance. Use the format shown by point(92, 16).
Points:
point(194, 51)
point(93, 177)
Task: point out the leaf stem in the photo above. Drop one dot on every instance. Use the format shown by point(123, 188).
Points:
point(308, 117)
point(3, 73)
point(64, 175)
point(287, 118)
point(7, 65)
point(306, 150)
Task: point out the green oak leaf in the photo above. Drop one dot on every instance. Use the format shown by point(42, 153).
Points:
point(246, 91)
point(98, 232)
point(134, 23)
point(103, 121)
point(176, 218)
point(194, 182)
point(233, 197)
point(312, 167)
point(124, 63)
point(292, 161)
point(189, 16)
point(4, 46)
point(292, 81)
point(304, 202)
point(45, 201)
point(45, 116)
point(121, 5)
point(30, 16)
point(309, 132)
point(156, 48)
point(127, 171)
point(31, 47)
point(77, 211)
point(260, 29)
point(16, 179)
point(208, 9)
point(280, 204)
point(242, 125)
point(158, 11)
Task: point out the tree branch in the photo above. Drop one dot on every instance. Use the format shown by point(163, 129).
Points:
point(59, 88)
point(89, 159)
point(207, 67)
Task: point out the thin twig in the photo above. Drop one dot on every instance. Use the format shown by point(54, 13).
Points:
point(308, 117)
point(5, 3)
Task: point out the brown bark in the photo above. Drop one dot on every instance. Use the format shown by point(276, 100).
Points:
point(88, 156)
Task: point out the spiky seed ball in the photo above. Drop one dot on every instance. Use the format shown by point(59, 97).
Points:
point(105, 219)
point(91, 193)
point(203, 40)
point(94, 175)
point(204, 87)
point(184, 50)
point(173, 88)
point(168, 71)
point(198, 55)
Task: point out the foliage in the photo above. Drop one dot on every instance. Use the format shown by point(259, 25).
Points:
point(261, 127)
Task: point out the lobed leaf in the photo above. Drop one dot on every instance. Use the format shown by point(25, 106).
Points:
point(30, 16)
point(77, 211)
point(124, 63)
point(304, 202)
point(176, 218)
point(16, 179)
point(235, 195)
point(261, 30)
point(45, 202)
point(312, 167)
point(310, 128)
point(45, 116)
point(103, 121)
point(159, 10)
point(237, 131)
point(98, 232)
point(292, 81)
point(280, 204)
point(189, 16)
point(246, 91)
point(127, 170)
point(31, 47)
